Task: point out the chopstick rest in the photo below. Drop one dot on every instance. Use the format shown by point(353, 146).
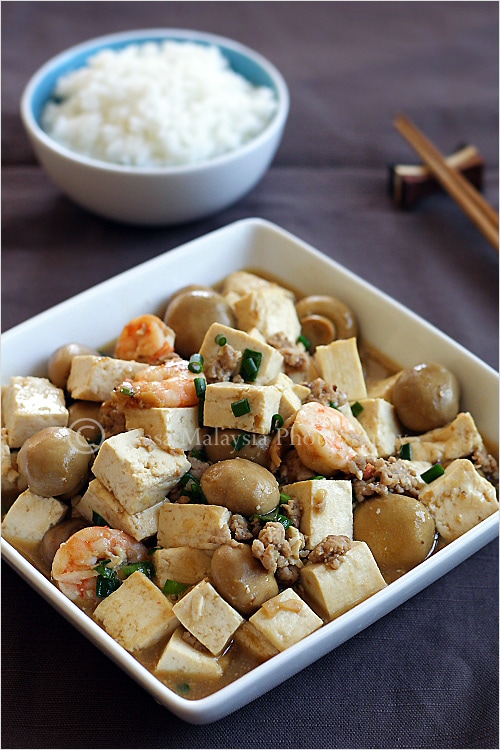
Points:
point(410, 183)
point(470, 200)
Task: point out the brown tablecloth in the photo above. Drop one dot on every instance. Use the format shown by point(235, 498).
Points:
point(425, 675)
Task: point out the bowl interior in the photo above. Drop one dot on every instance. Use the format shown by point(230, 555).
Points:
point(242, 61)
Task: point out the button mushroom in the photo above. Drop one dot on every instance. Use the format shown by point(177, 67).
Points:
point(324, 316)
point(241, 579)
point(425, 397)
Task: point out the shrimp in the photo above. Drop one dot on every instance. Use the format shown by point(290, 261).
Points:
point(327, 441)
point(145, 339)
point(73, 567)
point(170, 384)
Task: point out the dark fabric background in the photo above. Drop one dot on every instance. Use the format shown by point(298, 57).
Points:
point(426, 675)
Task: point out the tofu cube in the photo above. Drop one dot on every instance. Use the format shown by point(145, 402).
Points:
point(285, 619)
point(139, 525)
point(184, 660)
point(30, 516)
point(137, 614)
point(170, 428)
point(30, 404)
point(208, 617)
point(136, 471)
point(339, 363)
point(326, 508)
point(379, 421)
point(459, 499)
point(334, 591)
point(10, 474)
point(382, 388)
point(458, 439)
point(182, 564)
point(270, 309)
point(263, 402)
point(271, 362)
point(93, 378)
point(254, 643)
point(191, 525)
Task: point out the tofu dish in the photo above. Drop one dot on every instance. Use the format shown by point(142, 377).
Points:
point(233, 473)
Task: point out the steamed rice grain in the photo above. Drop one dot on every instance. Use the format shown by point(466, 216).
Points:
point(157, 104)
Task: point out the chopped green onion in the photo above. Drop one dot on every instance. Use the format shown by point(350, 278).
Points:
point(199, 453)
point(105, 586)
point(356, 409)
point(240, 441)
point(333, 405)
point(240, 408)
point(98, 520)
point(183, 687)
point(127, 389)
point(153, 550)
point(284, 498)
point(220, 339)
point(433, 473)
point(277, 422)
point(145, 567)
point(304, 340)
point(103, 570)
point(405, 451)
point(319, 476)
point(171, 588)
point(196, 363)
point(272, 517)
point(192, 488)
point(200, 386)
point(250, 364)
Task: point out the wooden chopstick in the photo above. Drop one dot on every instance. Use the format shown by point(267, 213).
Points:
point(468, 198)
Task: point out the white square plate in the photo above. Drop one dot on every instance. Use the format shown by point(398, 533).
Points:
point(255, 244)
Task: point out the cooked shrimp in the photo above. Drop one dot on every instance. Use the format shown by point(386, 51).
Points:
point(170, 384)
point(73, 567)
point(145, 339)
point(327, 441)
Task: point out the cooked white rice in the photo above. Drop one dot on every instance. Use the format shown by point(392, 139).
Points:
point(157, 104)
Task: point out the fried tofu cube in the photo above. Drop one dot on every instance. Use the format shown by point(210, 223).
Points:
point(271, 362)
point(270, 309)
point(170, 428)
point(253, 642)
point(93, 378)
point(459, 499)
point(99, 500)
point(191, 525)
point(184, 660)
point(378, 418)
point(326, 507)
point(458, 439)
point(285, 619)
point(182, 564)
point(29, 404)
point(339, 364)
point(137, 614)
point(30, 516)
point(137, 471)
point(259, 404)
point(208, 617)
point(334, 591)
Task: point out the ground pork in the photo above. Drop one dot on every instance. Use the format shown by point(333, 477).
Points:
point(331, 550)
point(279, 551)
point(383, 476)
point(487, 466)
point(241, 528)
point(223, 366)
point(295, 358)
point(112, 417)
point(326, 393)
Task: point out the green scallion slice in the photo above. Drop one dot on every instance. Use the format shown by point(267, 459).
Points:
point(196, 363)
point(143, 566)
point(284, 498)
point(171, 588)
point(240, 408)
point(250, 364)
point(277, 422)
point(433, 473)
point(304, 340)
point(105, 586)
point(200, 386)
point(183, 687)
point(127, 389)
point(98, 520)
point(220, 339)
point(318, 476)
point(240, 441)
point(356, 409)
point(405, 451)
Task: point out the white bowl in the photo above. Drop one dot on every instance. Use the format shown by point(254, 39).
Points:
point(257, 244)
point(157, 195)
